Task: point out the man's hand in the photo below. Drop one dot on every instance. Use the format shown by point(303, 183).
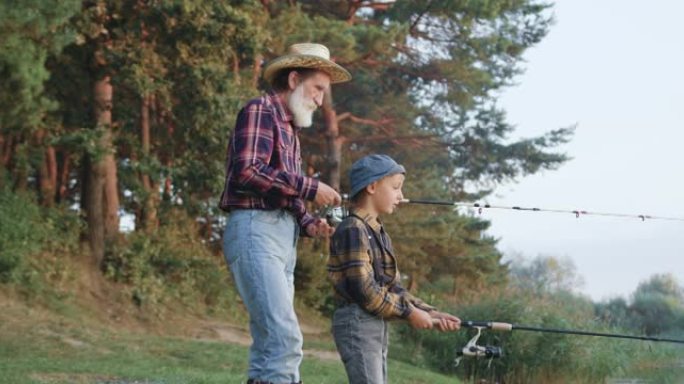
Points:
point(319, 228)
point(325, 195)
point(445, 322)
point(420, 319)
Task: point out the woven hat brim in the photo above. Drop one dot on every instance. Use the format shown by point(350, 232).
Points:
point(336, 72)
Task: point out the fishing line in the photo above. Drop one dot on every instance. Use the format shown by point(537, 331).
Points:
point(336, 214)
point(576, 212)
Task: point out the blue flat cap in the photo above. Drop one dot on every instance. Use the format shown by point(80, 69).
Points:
point(372, 168)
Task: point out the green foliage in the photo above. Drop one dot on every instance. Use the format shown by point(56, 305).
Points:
point(539, 292)
point(438, 245)
point(431, 72)
point(535, 357)
point(27, 230)
point(18, 235)
point(426, 80)
point(311, 276)
point(656, 307)
point(545, 274)
point(29, 32)
point(197, 62)
point(34, 245)
point(173, 266)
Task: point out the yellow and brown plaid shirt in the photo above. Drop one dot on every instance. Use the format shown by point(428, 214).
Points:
point(363, 268)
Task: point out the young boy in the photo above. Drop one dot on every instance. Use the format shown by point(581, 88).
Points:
point(363, 270)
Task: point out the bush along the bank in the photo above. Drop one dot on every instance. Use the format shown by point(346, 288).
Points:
point(531, 357)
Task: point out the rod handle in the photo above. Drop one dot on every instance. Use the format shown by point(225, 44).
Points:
point(493, 325)
point(503, 327)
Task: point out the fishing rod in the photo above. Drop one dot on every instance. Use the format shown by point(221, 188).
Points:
point(337, 214)
point(472, 349)
point(576, 212)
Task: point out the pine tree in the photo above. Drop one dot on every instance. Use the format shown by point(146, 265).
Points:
point(30, 31)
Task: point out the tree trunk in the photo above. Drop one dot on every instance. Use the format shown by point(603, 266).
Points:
point(2, 149)
point(2, 162)
point(334, 141)
point(97, 171)
point(94, 194)
point(19, 168)
point(47, 178)
point(111, 190)
point(84, 183)
point(256, 70)
point(63, 170)
point(236, 68)
point(148, 220)
point(47, 172)
point(6, 154)
point(168, 154)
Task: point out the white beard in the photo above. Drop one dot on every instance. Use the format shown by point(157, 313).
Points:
point(301, 108)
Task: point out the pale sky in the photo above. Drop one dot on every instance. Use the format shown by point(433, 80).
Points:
point(614, 68)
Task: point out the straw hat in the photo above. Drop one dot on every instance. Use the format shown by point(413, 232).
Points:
point(307, 55)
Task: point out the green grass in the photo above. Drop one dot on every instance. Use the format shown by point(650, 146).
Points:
point(63, 351)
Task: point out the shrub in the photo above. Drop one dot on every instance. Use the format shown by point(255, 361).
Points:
point(171, 265)
point(20, 234)
point(530, 356)
point(311, 274)
point(26, 229)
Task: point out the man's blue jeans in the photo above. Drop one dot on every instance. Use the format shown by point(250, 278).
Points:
point(260, 248)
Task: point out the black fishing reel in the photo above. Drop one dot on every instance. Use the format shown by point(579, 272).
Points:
point(471, 349)
point(481, 351)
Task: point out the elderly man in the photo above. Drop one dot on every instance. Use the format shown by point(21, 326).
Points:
point(265, 193)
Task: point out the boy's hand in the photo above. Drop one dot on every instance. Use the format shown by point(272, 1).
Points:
point(319, 228)
point(445, 322)
point(420, 319)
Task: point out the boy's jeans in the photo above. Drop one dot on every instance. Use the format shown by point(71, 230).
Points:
point(260, 248)
point(361, 340)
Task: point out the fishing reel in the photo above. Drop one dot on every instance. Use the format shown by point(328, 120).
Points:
point(335, 215)
point(471, 349)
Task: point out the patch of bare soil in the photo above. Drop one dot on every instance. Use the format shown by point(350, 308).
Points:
point(224, 332)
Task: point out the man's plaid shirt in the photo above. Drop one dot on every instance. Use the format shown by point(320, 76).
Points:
point(264, 163)
point(364, 270)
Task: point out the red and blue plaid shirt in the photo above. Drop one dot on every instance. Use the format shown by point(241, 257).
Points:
point(264, 163)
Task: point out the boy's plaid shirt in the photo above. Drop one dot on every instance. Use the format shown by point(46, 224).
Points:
point(365, 273)
point(264, 163)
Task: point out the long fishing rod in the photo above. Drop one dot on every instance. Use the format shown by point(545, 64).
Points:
point(508, 327)
point(336, 214)
point(576, 212)
point(471, 349)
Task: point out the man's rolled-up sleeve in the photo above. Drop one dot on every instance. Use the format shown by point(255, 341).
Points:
point(304, 218)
